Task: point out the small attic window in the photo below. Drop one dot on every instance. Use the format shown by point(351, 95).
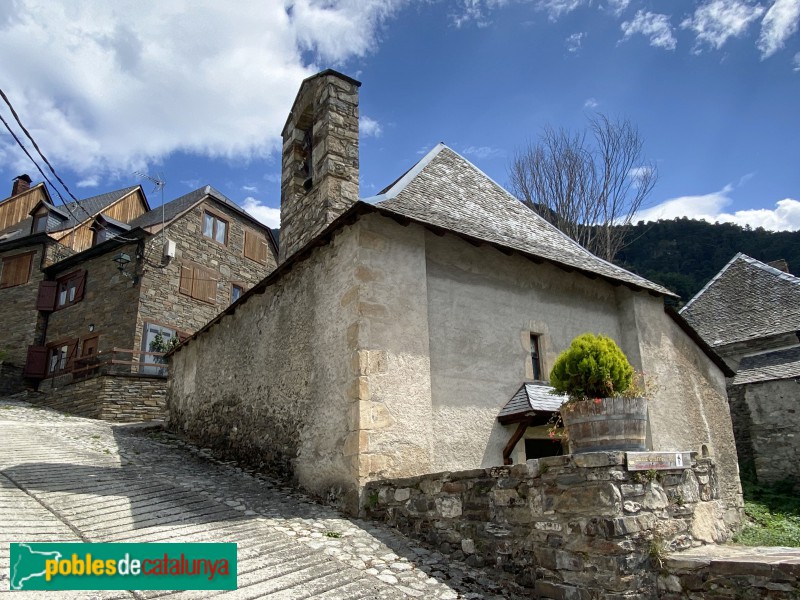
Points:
point(40, 222)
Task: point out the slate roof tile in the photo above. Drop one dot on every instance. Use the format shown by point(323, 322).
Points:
point(532, 397)
point(781, 364)
point(746, 300)
point(447, 191)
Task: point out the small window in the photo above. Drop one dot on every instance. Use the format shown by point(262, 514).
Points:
point(39, 223)
point(236, 292)
point(536, 360)
point(70, 289)
point(16, 270)
point(215, 228)
point(59, 357)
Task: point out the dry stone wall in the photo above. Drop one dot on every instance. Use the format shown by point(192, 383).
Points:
point(570, 527)
point(124, 398)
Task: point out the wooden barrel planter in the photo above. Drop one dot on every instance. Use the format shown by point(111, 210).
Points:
point(606, 424)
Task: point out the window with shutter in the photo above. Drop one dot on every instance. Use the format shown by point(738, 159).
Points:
point(46, 298)
point(255, 246)
point(199, 283)
point(70, 289)
point(16, 270)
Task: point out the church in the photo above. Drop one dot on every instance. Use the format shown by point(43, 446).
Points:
point(397, 328)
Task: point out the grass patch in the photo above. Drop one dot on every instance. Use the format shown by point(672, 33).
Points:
point(332, 534)
point(772, 513)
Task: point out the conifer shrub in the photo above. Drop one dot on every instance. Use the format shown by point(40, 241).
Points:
point(592, 367)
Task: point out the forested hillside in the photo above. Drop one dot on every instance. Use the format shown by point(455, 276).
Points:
point(684, 254)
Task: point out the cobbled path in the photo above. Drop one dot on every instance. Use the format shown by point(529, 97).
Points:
point(65, 478)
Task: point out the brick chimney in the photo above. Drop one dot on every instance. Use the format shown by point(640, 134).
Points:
point(22, 183)
point(319, 178)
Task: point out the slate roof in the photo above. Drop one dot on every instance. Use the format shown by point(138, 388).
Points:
point(781, 364)
point(530, 397)
point(746, 300)
point(183, 203)
point(447, 191)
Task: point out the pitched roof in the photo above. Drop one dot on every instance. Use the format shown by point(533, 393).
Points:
point(178, 206)
point(781, 364)
point(746, 300)
point(92, 206)
point(447, 191)
point(531, 397)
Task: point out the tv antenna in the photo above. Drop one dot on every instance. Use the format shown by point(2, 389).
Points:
point(159, 183)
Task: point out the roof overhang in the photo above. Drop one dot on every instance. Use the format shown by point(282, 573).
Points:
point(98, 250)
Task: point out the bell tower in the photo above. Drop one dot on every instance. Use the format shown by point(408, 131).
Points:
point(319, 177)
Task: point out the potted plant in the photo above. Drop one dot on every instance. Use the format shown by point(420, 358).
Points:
point(605, 409)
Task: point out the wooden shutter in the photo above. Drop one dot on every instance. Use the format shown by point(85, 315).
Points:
point(36, 362)
point(46, 298)
point(187, 277)
point(16, 270)
point(255, 246)
point(80, 286)
point(205, 285)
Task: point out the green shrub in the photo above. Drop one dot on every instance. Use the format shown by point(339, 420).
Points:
point(592, 367)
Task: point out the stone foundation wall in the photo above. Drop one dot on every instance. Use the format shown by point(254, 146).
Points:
point(11, 380)
point(123, 398)
point(575, 526)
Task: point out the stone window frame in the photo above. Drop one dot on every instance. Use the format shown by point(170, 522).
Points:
point(215, 217)
point(241, 286)
point(8, 262)
point(539, 330)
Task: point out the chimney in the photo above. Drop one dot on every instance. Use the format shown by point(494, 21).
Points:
point(780, 264)
point(22, 183)
point(319, 178)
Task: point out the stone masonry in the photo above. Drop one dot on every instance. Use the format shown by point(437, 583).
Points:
point(576, 526)
point(123, 398)
point(160, 300)
point(312, 198)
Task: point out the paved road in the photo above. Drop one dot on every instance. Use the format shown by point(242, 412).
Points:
point(65, 479)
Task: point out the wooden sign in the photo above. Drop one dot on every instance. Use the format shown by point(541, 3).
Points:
point(658, 461)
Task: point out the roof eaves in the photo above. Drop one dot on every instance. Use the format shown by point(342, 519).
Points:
point(97, 250)
point(707, 349)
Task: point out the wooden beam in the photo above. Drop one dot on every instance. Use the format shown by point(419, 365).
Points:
point(513, 441)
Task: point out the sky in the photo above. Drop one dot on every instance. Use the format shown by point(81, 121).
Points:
point(196, 92)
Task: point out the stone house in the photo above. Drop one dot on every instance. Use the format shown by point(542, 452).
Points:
point(750, 314)
point(396, 328)
point(95, 313)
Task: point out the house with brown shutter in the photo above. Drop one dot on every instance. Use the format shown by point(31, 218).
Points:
point(91, 299)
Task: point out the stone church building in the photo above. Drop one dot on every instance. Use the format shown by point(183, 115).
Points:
point(396, 328)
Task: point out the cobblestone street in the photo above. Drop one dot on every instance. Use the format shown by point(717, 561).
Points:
point(70, 479)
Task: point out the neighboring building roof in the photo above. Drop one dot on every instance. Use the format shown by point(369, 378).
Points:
point(96, 250)
point(447, 191)
point(113, 222)
point(746, 300)
point(781, 364)
point(531, 397)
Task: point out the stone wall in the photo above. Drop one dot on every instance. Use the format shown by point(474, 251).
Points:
point(109, 304)
point(766, 418)
point(124, 398)
point(11, 380)
point(326, 110)
point(275, 384)
point(575, 526)
point(161, 301)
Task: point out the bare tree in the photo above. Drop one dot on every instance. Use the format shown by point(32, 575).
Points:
point(588, 184)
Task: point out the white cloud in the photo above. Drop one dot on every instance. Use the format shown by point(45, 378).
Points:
point(557, 8)
point(574, 41)
point(714, 22)
point(710, 207)
point(483, 152)
point(796, 62)
point(637, 173)
point(591, 103)
point(88, 182)
point(250, 188)
point(271, 217)
point(618, 6)
point(369, 127)
point(779, 24)
point(245, 68)
point(474, 11)
point(652, 25)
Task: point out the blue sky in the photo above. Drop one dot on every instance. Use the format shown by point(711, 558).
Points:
point(198, 92)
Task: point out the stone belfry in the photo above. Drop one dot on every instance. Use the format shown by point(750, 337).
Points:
point(319, 178)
